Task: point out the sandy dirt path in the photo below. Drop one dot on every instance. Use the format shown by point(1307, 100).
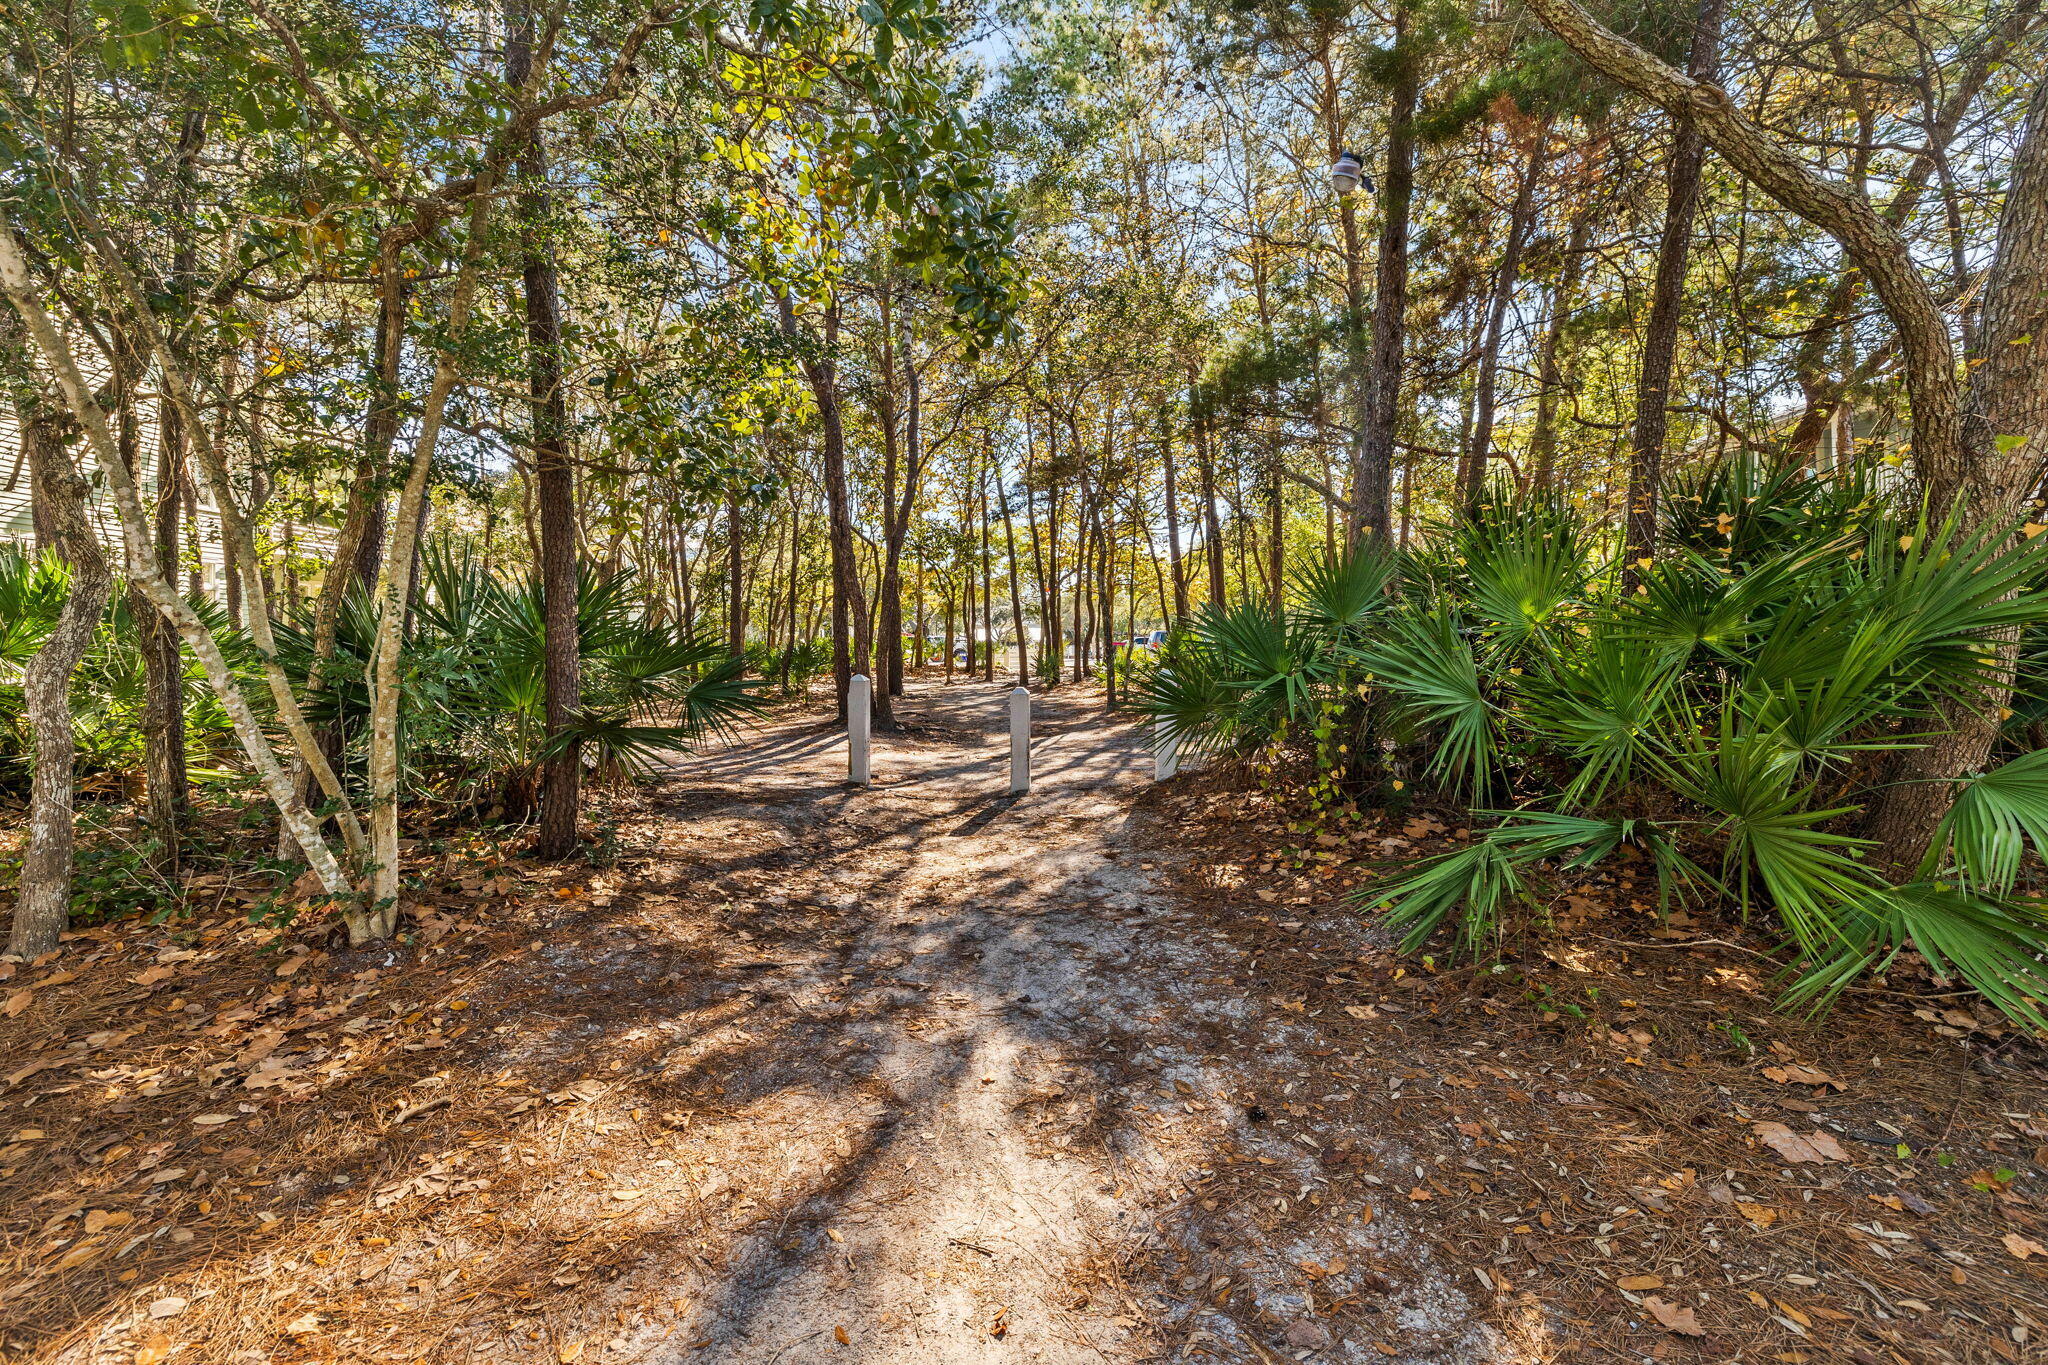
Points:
point(991, 1069)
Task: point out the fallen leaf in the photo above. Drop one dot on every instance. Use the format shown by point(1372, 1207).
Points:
point(1674, 1317)
point(19, 1001)
point(839, 1335)
point(2024, 1247)
point(80, 1254)
point(210, 1120)
point(1641, 1282)
point(1815, 1146)
point(1802, 1075)
point(154, 1351)
point(99, 1220)
point(167, 1308)
point(304, 1326)
point(1763, 1215)
point(150, 976)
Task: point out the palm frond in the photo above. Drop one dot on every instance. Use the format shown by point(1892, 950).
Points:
point(1424, 660)
point(1996, 815)
point(1997, 947)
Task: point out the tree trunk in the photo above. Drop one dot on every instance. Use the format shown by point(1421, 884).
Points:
point(1551, 381)
point(1016, 597)
point(1373, 462)
point(988, 612)
point(1178, 572)
point(42, 909)
point(1872, 245)
point(1212, 530)
point(148, 572)
point(1048, 615)
point(2008, 430)
point(554, 477)
point(1969, 75)
point(166, 798)
point(1472, 478)
point(1667, 304)
point(735, 580)
point(849, 607)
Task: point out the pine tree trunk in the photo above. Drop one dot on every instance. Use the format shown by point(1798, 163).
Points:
point(1667, 304)
point(1551, 381)
point(1373, 463)
point(554, 480)
point(1521, 218)
point(2008, 399)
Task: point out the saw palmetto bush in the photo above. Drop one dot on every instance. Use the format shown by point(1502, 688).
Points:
point(31, 593)
point(474, 693)
point(107, 687)
point(1726, 724)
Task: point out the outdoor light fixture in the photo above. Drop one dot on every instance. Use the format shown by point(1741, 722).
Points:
point(1346, 173)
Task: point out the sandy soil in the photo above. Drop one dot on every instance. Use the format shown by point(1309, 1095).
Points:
point(1017, 1019)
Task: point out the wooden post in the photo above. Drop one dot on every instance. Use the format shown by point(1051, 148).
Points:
point(859, 713)
point(1020, 741)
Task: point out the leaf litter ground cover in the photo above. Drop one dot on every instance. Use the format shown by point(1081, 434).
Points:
point(923, 1074)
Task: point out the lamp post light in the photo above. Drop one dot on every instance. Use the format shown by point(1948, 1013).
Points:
point(1347, 173)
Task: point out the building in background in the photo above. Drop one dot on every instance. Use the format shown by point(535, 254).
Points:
point(201, 558)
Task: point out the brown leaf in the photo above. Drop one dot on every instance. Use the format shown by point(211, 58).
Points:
point(839, 1335)
point(1641, 1282)
point(1674, 1317)
point(18, 1002)
point(1763, 1215)
point(154, 1351)
point(151, 975)
point(1815, 1146)
point(2024, 1247)
point(1802, 1075)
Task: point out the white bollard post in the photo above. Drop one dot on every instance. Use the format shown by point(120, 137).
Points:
point(1165, 753)
point(860, 711)
point(1020, 740)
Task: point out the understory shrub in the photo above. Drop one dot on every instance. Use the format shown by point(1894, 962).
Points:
point(1726, 723)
